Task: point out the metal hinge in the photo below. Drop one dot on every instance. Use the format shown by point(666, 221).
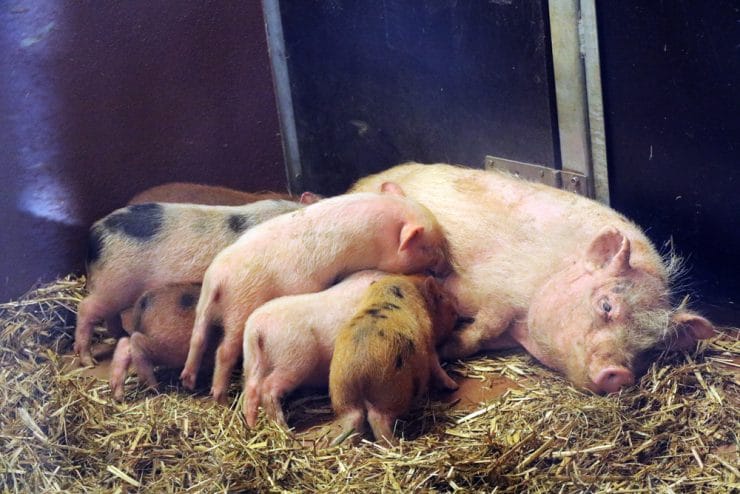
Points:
point(561, 179)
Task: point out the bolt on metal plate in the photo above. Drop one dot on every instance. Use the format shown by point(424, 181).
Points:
point(561, 179)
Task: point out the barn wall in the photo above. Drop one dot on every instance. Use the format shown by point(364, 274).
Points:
point(102, 99)
point(670, 73)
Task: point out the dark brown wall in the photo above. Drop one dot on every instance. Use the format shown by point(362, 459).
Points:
point(670, 74)
point(99, 100)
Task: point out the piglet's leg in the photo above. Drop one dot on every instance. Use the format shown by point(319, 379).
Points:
point(254, 374)
point(94, 309)
point(382, 425)
point(141, 349)
point(275, 387)
point(91, 311)
point(114, 326)
point(439, 377)
point(119, 367)
point(471, 339)
point(226, 357)
point(351, 421)
point(197, 346)
point(251, 401)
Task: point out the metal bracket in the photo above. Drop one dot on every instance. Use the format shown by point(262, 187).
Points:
point(561, 179)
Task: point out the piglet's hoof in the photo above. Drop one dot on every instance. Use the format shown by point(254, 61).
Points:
point(219, 396)
point(86, 360)
point(188, 380)
point(85, 357)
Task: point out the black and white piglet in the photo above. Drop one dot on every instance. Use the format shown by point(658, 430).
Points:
point(146, 246)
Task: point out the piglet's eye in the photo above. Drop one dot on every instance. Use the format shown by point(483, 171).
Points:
point(606, 306)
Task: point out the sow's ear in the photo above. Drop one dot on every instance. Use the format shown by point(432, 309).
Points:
point(690, 327)
point(609, 251)
point(392, 188)
point(410, 233)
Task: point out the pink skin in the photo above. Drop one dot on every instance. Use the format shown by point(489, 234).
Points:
point(524, 270)
point(596, 330)
point(119, 367)
point(289, 342)
point(310, 197)
point(305, 252)
point(190, 236)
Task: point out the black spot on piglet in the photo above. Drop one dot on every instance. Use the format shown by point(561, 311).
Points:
point(141, 221)
point(238, 223)
point(94, 244)
point(396, 290)
point(407, 350)
point(187, 300)
point(375, 312)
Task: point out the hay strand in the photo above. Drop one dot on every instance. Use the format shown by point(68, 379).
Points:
point(60, 430)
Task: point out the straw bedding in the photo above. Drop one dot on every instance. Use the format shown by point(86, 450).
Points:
point(677, 431)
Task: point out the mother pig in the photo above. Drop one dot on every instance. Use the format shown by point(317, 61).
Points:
point(572, 281)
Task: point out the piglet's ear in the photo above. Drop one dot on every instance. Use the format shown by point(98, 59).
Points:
point(392, 188)
point(310, 198)
point(410, 233)
point(609, 251)
point(431, 288)
point(690, 327)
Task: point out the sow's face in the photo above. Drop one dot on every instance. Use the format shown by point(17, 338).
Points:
point(596, 320)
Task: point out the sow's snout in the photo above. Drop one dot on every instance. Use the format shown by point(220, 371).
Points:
point(612, 379)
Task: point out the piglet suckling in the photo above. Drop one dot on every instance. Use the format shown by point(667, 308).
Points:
point(162, 324)
point(385, 356)
point(289, 342)
point(304, 252)
point(145, 246)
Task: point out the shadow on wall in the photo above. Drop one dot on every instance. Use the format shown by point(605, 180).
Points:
point(101, 101)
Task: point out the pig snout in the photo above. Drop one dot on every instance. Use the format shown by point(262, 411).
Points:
point(611, 367)
point(612, 379)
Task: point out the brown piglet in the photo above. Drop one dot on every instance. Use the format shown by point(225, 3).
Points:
point(202, 194)
point(162, 324)
point(386, 354)
point(213, 195)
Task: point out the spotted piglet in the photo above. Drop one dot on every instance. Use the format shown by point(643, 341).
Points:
point(145, 246)
point(305, 252)
point(386, 354)
point(162, 323)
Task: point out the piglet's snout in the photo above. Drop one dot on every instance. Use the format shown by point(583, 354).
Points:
point(612, 379)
